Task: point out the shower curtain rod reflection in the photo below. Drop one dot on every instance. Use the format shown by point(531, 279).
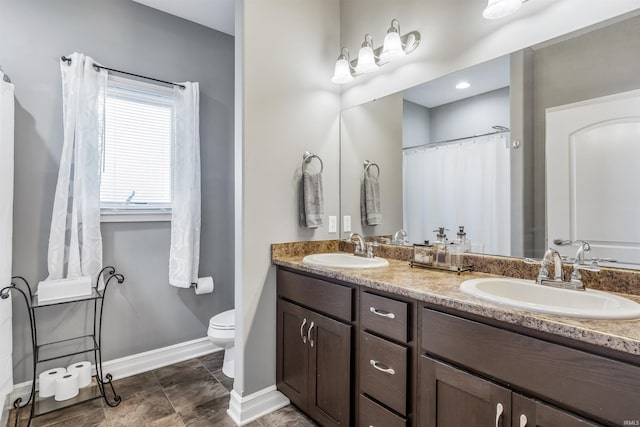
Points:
point(99, 67)
point(501, 129)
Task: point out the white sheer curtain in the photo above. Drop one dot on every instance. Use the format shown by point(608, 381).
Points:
point(465, 183)
point(184, 255)
point(75, 242)
point(6, 228)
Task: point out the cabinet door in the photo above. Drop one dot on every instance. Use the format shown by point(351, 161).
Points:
point(330, 371)
point(453, 398)
point(293, 352)
point(531, 413)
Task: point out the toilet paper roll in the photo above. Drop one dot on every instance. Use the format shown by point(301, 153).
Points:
point(205, 285)
point(47, 381)
point(66, 386)
point(83, 369)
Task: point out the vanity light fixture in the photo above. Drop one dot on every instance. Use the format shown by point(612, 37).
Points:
point(497, 9)
point(369, 59)
point(463, 85)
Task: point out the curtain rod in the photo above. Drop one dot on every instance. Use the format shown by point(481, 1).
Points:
point(450, 141)
point(100, 67)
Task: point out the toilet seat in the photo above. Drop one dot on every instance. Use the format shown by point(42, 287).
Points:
point(224, 321)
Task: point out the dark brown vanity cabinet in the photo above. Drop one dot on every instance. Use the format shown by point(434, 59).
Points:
point(314, 357)
point(503, 378)
point(452, 398)
point(350, 355)
point(385, 360)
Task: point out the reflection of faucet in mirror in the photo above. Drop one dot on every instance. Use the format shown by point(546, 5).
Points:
point(399, 238)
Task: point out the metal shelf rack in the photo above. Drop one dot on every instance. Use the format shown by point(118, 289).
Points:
point(85, 344)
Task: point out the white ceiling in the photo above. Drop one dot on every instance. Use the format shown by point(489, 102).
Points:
point(216, 14)
point(485, 77)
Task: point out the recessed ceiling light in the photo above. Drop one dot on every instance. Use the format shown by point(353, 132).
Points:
point(463, 85)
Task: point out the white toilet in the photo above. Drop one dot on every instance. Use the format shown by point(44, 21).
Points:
point(222, 332)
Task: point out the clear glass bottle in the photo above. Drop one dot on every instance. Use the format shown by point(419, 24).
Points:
point(459, 247)
point(442, 257)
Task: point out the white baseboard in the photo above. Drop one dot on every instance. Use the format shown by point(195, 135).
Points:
point(244, 409)
point(136, 363)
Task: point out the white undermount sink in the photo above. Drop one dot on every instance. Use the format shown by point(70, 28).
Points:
point(529, 296)
point(343, 260)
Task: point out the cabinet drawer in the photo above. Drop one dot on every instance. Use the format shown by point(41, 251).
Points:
point(590, 385)
point(384, 316)
point(374, 415)
point(383, 371)
point(324, 297)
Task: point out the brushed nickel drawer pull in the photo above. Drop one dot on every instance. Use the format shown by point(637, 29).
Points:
point(302, 335)
point(523, 420)
point(309, 333)
point(499, 411)
point(382, 313)
point(389, 371)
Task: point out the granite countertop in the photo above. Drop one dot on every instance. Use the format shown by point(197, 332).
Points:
point(441, 288)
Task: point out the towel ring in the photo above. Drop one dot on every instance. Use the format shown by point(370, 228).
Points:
point(307, 157)
point(367, 164)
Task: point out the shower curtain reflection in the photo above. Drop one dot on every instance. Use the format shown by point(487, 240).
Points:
point(464, 183)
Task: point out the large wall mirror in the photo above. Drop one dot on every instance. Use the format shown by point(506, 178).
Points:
point(512, 149)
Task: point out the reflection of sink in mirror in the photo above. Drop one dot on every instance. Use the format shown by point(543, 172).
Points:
point(403, 127)
point(343, 260)
point(529, 296)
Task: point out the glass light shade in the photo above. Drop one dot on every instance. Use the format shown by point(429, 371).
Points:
point(342, 72)
point(366, 60)
point(500, 8)
point(392, 47)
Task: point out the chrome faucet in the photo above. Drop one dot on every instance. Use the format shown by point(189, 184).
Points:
point(359, 242)
point(578, 264)
point(399, 237)
point(553, 256)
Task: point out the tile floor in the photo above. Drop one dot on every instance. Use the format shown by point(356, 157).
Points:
point(191, 393)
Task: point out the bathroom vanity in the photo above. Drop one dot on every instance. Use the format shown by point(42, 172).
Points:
point(404, 347)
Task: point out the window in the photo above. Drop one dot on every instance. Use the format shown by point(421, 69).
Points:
point(139, 132)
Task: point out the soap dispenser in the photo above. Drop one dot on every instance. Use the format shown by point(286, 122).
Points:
point(459, 247)
point(441, 251)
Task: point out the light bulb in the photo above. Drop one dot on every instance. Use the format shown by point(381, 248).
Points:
point(392, 46)
point(342, 73)
point(500, 8)
point(366, 57)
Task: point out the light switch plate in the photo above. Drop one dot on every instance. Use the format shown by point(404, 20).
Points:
point(333, 224)
point(346, 223)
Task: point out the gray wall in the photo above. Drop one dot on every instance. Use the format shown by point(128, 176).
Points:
point(372, 131)
point(289, 106)
point(416, 122)
point(599, 63)
point(470, 116)
point(145, 313)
